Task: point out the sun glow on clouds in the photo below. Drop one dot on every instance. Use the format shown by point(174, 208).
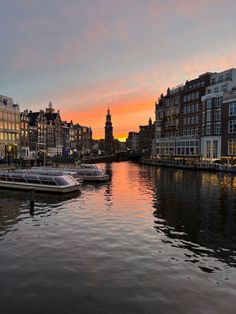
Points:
point(87, 55)
point(131, 107)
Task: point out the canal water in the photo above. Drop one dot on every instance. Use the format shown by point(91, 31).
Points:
point(151, 240)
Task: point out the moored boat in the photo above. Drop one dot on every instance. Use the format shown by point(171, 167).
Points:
point(38, 182)
point(86, 172)
point(92, 174)
point(50, 171)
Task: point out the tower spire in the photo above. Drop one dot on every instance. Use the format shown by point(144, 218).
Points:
point(108, 133)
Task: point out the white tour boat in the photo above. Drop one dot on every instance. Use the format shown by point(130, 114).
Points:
point(50, 171)
point(38, 182)
point(86, 172)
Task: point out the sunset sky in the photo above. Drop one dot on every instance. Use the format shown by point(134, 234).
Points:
point(86, 55)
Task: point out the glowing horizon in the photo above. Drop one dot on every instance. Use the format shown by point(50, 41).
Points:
point(84, 57)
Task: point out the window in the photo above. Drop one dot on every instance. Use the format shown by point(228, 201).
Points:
point(203, 117)
point(232, 147)
point(208, 149)
point(208, 129)
point(224, 88)
point(217, 114)
point(215, 149)
point(217, 128)
point(232, 126)
point(208, 117)
point(208, 103)
point(229, 76)
point(218, 102)
point(232, 109)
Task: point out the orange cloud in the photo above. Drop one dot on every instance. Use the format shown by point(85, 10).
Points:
point(131, 99)
point(126, 116)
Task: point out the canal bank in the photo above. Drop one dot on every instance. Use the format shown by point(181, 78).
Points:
point(196, 166)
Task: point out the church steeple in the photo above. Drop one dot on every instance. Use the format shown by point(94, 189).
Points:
point(108, 133)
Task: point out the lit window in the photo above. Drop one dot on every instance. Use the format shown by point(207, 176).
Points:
point(232, 147)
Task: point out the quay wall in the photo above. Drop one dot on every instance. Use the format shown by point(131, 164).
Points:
point(196, 166)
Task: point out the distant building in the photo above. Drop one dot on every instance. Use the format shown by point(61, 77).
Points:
point(146, 136)
point(83, 139)
point(109, 148)
point(9, 128)
point(132, 142)
point(24, 135)
point(45, 132)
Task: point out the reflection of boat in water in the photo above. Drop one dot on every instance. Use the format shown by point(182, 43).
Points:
point(38, 182)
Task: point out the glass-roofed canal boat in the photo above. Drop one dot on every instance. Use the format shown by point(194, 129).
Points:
point(39, 182)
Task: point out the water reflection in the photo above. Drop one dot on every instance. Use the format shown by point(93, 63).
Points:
point(196, 211)
point(106, 249)
point(15, 206)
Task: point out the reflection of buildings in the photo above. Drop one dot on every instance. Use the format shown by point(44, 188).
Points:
point(14, 204)
point(9, 128)
point(196, 209)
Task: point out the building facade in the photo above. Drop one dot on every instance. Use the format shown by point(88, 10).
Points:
point(195, 121)
point(24, 135)
point(146, 136)
point(228, 127)
point(212, 119)
point(132, 142)
point(9, 129)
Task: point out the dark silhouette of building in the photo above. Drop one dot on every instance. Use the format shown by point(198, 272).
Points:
point(146, 136)
point(109, 147)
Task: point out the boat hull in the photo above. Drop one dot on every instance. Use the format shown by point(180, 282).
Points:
point(39, 188)
point(94, 178)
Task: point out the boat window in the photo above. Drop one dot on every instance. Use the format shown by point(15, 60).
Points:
point(60, 181)
point(18, 179)
point(32, 179)
point(9, 179)
point(47, 182)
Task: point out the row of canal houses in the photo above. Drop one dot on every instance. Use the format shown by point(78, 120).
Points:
point(31, 135)
point(197, 120)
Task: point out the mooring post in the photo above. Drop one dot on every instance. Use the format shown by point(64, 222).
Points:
point(31, 200)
